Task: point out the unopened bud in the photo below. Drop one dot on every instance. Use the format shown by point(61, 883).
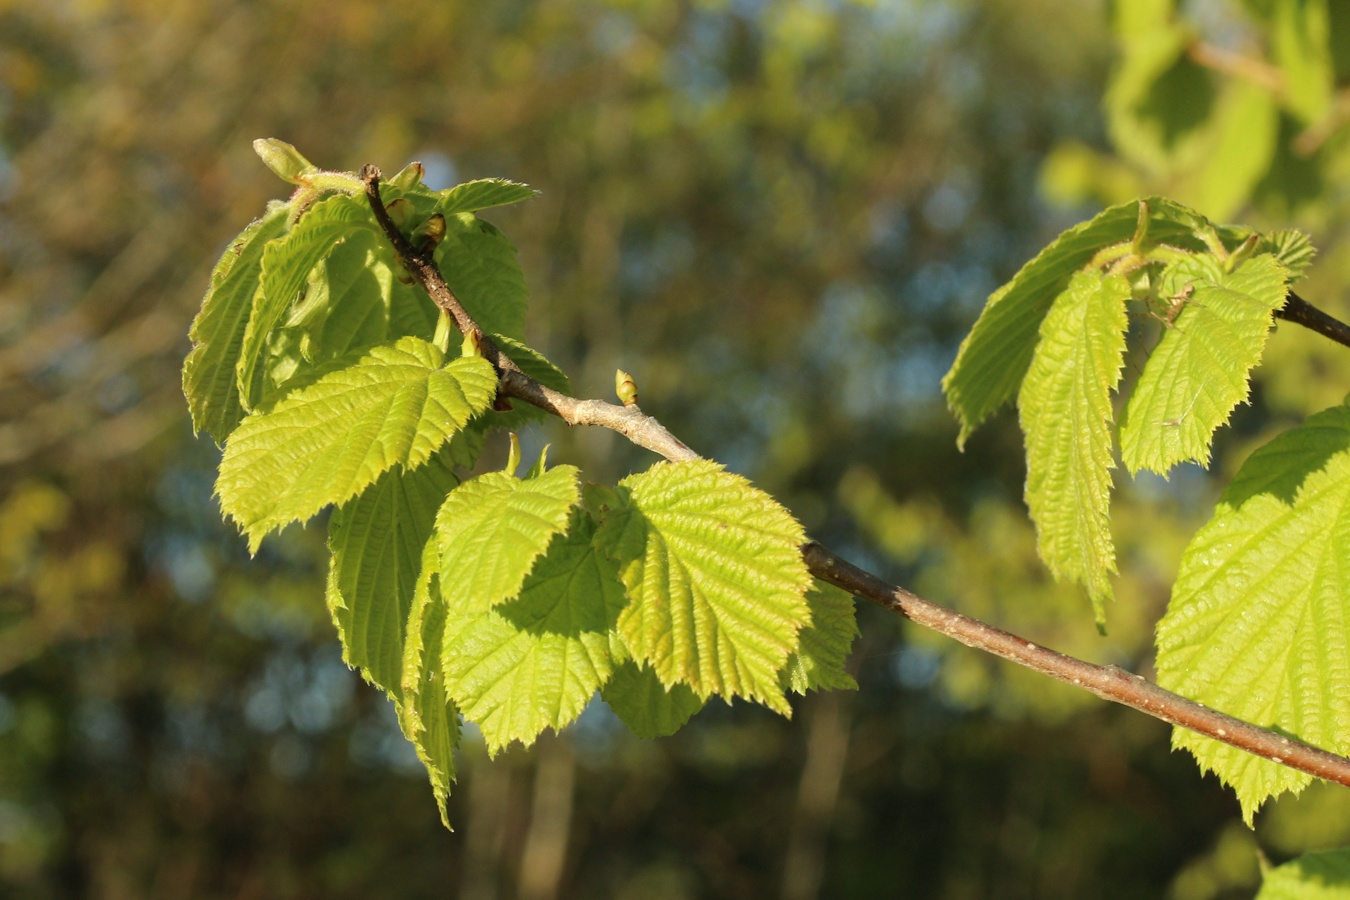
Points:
point(625, 387)
point(426, 236)
point(409, 177)
point(283, 159)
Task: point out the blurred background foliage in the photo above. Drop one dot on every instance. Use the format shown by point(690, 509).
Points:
point(781, 217)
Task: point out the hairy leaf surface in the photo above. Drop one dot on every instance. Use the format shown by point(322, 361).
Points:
point(218, 330)
point(1259, 621)
point(377, 539)
point(491, 530)
point(326, 442)
point(535, 662)
point(1065, 410)
point(715, 579)
point(649, 708)
point(1199, 371)
point(428, 718)
point(825, 643)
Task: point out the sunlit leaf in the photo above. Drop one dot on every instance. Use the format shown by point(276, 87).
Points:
point(1293, 249)
point(485, 193)
point(1198, 372)
point(218, 330)
point(1259, 621)
point(286, 265)
point(377, 539)
point(326, 442)
point(491, 530)
point(994, 357)
point(1065, 410)
point(535, 662)
point(714, 576)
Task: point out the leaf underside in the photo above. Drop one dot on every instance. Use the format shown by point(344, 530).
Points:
point(1259, 621)
point(819, 662)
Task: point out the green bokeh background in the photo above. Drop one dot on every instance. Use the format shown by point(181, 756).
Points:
point(781, 217)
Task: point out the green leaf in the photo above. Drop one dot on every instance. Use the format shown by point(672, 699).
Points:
point(1235, 151)
point(286, 266)
point(1301, 47)
point(1259, 622)
point(1065, 410)
point(426, 715)
point(345, 310)
point(535, 662)
point(1323, 875)
point(825, 643)
point(218, 330)
point(649, 708)
point(492, 529)
point(480, 266)
point(1199, 371)
point(1157, 95)
point(485, 193)
point(326, 442)
point(994, 357)
point(1293, 249)
point(377, 539)
point(715, 579)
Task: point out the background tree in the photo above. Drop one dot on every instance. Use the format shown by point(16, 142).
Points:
point(782, 218)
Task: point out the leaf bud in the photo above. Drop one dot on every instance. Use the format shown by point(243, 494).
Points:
point(426, 236)
point(625, 387)
point(399, 212)
point(409, 177)
point(283, 159)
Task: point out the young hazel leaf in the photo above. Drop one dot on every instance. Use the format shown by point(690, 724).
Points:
point(485, 193)
point(218, 330)
point(327, 442)
point(649, 708)
point(428, 718)
point(1065, 410)
point(377, 540)
point(715, 579)
point(825, 643)
point(492, 528)
point(1259, 621)
point(535, 662)
point(286, 266)
point(480, 266)
point(1199, 370)
point(1293, 249)
point(995, 356)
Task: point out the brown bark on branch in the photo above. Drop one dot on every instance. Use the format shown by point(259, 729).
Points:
point(1108, 682)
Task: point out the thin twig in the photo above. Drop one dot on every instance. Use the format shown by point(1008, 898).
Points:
point(1108, 682)
point(1301, 312)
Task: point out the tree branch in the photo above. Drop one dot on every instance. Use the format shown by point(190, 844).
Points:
point(1301, 312)
point(1108, 682)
